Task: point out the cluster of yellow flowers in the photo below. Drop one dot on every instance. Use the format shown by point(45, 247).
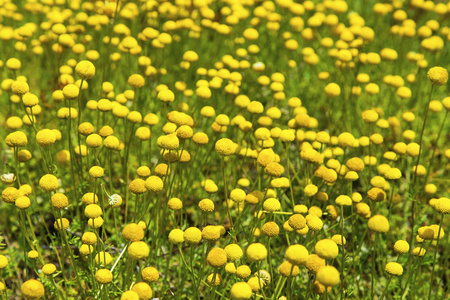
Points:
point(201, 139)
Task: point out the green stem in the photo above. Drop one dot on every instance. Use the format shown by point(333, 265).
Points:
point(433, 267)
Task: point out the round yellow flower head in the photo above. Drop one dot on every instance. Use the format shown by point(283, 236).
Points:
point(166, 95)
point(138, 250)
point(217, 258)
point(32, 289)
point(394, 269)
point(143, 290)
point(136, 81)
point(49, 183)
point(438, 75)
point(45, 137)
point(378, 223)
point(241, 291)
point(346, 139)
point(3, 261)
point(22, 202)
point(103, 276)
point(296, 255)
point(297, 221)
point(272, 205)
point(13, 64)
point(206, 205)
point(16, 139)
point(326, 249)
point(225, 147)
point(211, 233)
point(61, 224)
point(133, 232)
point(270, 229)
point(328, 276)
point(443, 205)
point(315, 263)
point(234, 252)
point(192, 235)
point(89, 238)
point(154, 184)
point(130, 295)
point(49, 269)
point(137, 186)
point(256, 252)
point(20, 87)
point(175, 204)
point(30, 100)
point(176, 236)
point(150, 274)
point(401, 247)
point(343, 200)
point(85, 69)
point(71, 91)
point(93, 211)
point(332, 90)
point(287, 269)
point(169, 142)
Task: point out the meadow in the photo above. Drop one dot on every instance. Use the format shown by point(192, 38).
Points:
point(202, 149)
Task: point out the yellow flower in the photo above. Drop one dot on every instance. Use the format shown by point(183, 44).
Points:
point(443, 205)
point(225, 147)
point(136, 81)
point(16, 139)
point(314, 263)
point(256, 252)
point(217, 258)
point(30, 100)
point(48, 183)
point(192, 235)
point(328, 276)
point(130, 295)
point(133, 232)
point(169, 142)
point(234, 252)
point(175, 204)
point(326, 249)
point(137, 186)
point(23, 202)
point(176, 236)
point(20, 87)
point(154, 184)
point(150, 274)
point(61, 224)
point(103, 276)
point(71, 92)
point(378, 223)
point(85, 69)
point(287, 269)
point(138, 250)
point(166, 95)
point(438, 75)
point(332, 90)
point(270, 229)
point(241, 291)
point(49, 269)
point(144, 291)
point(93, 211)
point(394, 269)
point(272, 205)
point(297, 221)
point(296, 255)
point(3, 261)
point(206, 205)
point(33, 289)
point(401, 247)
